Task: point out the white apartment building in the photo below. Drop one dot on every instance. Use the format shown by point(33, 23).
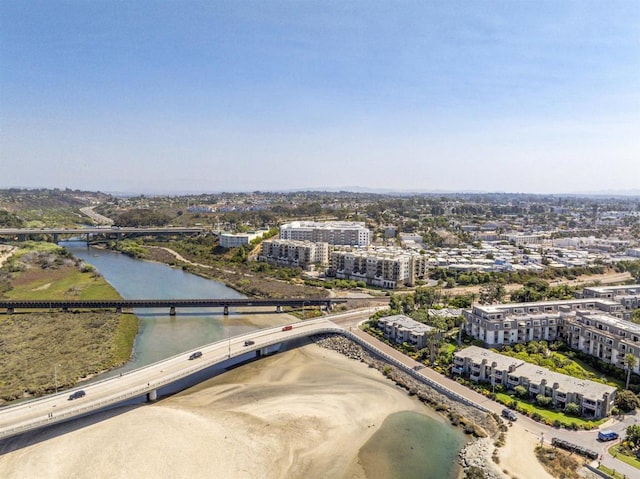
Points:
point(627, 295)
point(382, 267)
point(348, 233)
point(522, 322)
point(403, 329)
point(235, 240)
point(594, 399)
point(304, 254)
point(596, 325)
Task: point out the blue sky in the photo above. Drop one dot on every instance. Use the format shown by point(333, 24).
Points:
point(166, 96)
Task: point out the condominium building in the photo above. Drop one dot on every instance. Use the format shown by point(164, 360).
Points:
point(403, 329)
point(235, 240)
point(304, 254)
point(382, 267)
point(608, 338)
point(522, 322)
point(596, 324)
point(332, 232)
point(594, 399)
point(627, 295)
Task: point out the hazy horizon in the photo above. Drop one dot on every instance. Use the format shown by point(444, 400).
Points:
point(150, 96)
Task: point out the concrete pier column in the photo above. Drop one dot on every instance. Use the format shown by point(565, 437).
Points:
point(152, 395)
point(225, 311)
point(119, 309)
point(10, 311)
point(278, 309)
point(172, 311)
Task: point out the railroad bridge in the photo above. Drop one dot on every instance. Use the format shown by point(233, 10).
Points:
point(119, 304)
point(93, 234)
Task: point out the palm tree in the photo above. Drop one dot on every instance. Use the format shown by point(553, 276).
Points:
point(629, 361)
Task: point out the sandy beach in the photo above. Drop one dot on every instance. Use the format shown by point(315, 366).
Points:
point(304, 413)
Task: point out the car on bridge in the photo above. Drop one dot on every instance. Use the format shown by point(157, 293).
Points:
point(249, 342)
point(195, 355)
point(77, 395)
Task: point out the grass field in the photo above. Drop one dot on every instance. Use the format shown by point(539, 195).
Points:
point(632, 461)
point(548, 415)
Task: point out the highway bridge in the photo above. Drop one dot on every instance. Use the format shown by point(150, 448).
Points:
point(10, 306)
point(147, 381)
point(93, 234)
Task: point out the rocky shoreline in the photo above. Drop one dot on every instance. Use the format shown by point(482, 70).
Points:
point(477, 454)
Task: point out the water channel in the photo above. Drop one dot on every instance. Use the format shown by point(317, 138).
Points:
point(407, 445)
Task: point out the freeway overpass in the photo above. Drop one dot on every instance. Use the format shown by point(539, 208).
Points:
point(93, 234)
point(118, 304)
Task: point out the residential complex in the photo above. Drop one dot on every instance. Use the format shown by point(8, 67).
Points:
point(403, 329)
point(304, 254)
point(594, 399)
point(382, 267)
point(333, 232)
point(598, 326)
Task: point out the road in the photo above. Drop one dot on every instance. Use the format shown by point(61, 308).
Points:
point(58, 408)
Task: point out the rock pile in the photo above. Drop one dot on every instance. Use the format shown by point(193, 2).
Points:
point(477, 454)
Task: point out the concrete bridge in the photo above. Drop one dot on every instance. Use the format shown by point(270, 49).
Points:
point(118, 304)
point(93, 234)
point(147, 381)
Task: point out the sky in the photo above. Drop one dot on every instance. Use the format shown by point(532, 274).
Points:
point(205, 96)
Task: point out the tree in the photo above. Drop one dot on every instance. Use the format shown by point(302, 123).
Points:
point(572, 409)
point(492, 293)
point(520, 391)
point(629, 361)
point(627, 401)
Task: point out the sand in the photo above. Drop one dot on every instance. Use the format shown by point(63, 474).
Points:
point(301, 414)
point(517, 456)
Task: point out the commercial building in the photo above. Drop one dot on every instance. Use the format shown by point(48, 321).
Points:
point(235, 240)
point(382, 267)
point(594, 399)
point(402, 329)
point(304, 254)
point(332, 232)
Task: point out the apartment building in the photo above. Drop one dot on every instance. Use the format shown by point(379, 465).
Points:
point(350, 233)
point(605, 337)
point(627, 295)
point(382, 267)
point(522, 322)
point(402, 329)
point(596, 324)
point(594, 399)
point(304, 254)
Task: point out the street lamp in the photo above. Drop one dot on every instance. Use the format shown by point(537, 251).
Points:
point(55, 376)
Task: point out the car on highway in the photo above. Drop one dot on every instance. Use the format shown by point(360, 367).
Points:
point(195, 355)
point(77, 395)
point(249, 342)
point(509, 414)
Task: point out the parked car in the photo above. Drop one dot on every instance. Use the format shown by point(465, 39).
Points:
point(249, 342)
point(607, 435)
point(509, 414)
point(195, 355)
point(77, 395)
